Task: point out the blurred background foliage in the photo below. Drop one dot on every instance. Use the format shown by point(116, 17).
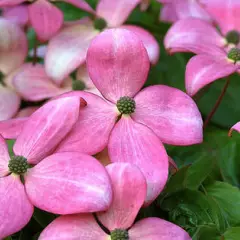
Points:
point(203, 195)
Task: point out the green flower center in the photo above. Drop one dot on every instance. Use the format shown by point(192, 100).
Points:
point(126, 105)
point(119, 234)
point(18, 165)
point(234, 54)
point(100, 24)
point(78, 85)
point(233, 37)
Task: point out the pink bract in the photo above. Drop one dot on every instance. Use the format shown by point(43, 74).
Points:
point(118, 65)
point(75, 38)
point(61, 183)
point(129, 190)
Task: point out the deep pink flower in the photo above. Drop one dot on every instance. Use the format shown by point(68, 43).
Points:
point(45, 18)
point(129, 191)
point(218, 56)
point(118, 65)
point(67, 50)
point(62, 183)
point(13, 51)
point(173, 10)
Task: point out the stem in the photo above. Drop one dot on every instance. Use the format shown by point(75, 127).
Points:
point(219, 100)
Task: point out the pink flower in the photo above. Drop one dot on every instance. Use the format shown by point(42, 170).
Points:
point(174, 10)
point(13, 51)
point(61, 183)
point(235, 127)
point(67, 50)
point(132, 123)
point(217, 57)
point(45, 18)
point(129, 191)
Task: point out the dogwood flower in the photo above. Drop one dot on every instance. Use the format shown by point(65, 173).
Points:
point(235, 127)
point(129, 191)
point(173, 10)
point(132, 123)
point(67, 50)
point(62, 183)
point(45, 18)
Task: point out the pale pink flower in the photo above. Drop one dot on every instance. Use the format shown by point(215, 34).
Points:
point(61, 183)
point(132, 123)
point(45, 18)
point(173, 10)
point(67, 50)
point(13, 51)
point(129, 191)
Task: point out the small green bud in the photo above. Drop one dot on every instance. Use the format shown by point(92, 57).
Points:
point(119, 234)
point(78, 85)
point(126, 105)
point(234, 54)
point(18, 165)
point(233, 37)
point(100, 24)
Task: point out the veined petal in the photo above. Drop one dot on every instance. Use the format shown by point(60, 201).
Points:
point(80, 4)
point(13, 46)
point(16, 209)
point(117, 63)
point(204, 69)
point(17, 14)
point(33, 84)
point(45, 18)
point(67, 50)
point(43, 130)
point(95, 123)
point(4, 157)
point(235, 127)
point(135, 143)
point(156, 229)
point(168, 13)
point(4, 3)
point(129, 192)
point(170, 113)
point(225, 12)
point(149, 42)
point(11, 129)
point(116, 12)
point(67, 183)
point(74, 227)
point(184, 36)
point(9, 103)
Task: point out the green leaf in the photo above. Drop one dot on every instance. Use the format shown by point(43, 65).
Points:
point(227, 198)
point(232, 234)
point(204, 232)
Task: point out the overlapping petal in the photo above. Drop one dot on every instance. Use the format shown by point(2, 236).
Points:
point(45, 18)
point(16, 209)
point(82, 4)
point(170, 113)
point(67, 50)
point(156, 229)
point(235, 127)
point(118, 63)
point(116, 12)
point(67, 183)
point(185, 35)
point(129, 192)
point(4, 3)
point(135, 143)
point(11, 129)
point(43, 130)
point(91, 132)
point(204, 69)
point(168, 13)
point(149, 42)
point(74, 227)
point(9, 103)
point(4, 157)
point(225, 12)
point(33, 84)
point(13, 46)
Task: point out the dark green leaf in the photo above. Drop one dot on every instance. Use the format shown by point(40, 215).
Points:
point(232, 234)
point(42, 217)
